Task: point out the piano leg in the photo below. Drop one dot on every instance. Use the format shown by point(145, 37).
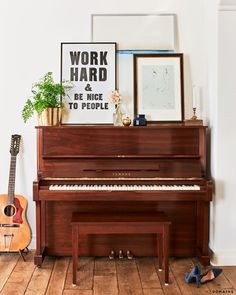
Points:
point(166, 252)
point(160, 253)
point(75, 248)
point(40, 233)
point(203, 251)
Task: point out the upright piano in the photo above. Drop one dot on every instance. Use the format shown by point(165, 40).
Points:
point(122, 169)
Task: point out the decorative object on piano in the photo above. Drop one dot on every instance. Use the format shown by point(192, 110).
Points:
point(158, 87)
point(116, 99)
point(140, 120)
point(126, 121)
point(15, 233)
point(125, 26)
point(117, 116)
point(194, 119)
point(46, 100)
point(91, 67)
point(50, 117)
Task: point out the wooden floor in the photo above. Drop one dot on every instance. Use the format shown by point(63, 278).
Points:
point(101, 276)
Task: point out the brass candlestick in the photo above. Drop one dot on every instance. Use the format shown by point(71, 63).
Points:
point(194, 117)
point(194, 120)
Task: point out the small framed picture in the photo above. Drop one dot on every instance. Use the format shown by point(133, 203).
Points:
point(91, 70)
point(159, 87)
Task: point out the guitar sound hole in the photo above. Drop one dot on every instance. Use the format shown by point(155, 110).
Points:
point(9, 210)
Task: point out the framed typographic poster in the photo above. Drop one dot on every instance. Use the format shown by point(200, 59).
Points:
point(159, 87)
point(91, 69)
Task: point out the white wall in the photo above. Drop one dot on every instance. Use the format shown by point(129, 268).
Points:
point(31, 33)
point(223, 209)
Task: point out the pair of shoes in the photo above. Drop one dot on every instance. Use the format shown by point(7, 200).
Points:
point(196, 276)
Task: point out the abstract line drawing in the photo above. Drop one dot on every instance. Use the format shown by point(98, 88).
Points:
point(158, 87)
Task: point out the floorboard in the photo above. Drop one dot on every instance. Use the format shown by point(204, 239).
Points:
point(20, 277)
point(58, 277)
point(7, 264)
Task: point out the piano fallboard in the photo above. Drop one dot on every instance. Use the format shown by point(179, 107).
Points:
point(202, 193)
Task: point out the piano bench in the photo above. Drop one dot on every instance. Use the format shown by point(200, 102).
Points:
point(133, 223)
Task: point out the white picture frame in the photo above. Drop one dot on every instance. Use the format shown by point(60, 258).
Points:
point(135, 31)
point(91, 69)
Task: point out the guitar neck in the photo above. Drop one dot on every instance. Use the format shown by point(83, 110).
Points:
point(12, 176)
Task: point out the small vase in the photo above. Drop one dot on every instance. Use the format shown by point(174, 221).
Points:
point(117, 116)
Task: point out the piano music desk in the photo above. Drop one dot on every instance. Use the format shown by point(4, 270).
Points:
point(155, 223)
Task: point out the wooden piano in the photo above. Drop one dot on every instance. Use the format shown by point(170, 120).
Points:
point(122, 169)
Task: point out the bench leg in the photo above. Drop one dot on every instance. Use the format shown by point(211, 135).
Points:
point(166, 252)
point(160, 251)
point(75, 248)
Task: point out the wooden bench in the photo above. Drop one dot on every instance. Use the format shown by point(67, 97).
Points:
point(94, 223)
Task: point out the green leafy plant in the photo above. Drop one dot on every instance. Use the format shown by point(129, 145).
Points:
point(46, 94)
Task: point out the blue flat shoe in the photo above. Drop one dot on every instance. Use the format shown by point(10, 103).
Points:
point(210, 275)
point(193, 276)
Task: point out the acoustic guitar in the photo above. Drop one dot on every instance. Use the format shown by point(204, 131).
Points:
point(15, 234)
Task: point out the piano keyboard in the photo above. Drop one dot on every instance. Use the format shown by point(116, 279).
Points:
point(124, 187)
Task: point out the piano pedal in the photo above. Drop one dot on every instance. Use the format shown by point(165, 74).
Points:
point(120, 255)
point(129, 254)
point(112, 255)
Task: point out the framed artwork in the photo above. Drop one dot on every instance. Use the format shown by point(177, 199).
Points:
point(91, 69)
point(135, 31)
point(159, 87)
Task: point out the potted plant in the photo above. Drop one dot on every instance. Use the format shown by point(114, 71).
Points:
point(46, 100)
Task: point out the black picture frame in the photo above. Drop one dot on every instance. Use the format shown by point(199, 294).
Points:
point(159, 87)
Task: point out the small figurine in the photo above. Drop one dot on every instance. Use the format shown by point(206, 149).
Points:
point(126, 121)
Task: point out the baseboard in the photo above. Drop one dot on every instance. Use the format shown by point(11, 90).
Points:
point(224, 258)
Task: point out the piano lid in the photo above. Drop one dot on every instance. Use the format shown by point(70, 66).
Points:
point(121, 152)
point(110, 141)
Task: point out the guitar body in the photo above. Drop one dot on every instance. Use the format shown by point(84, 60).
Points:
point(15, 232)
